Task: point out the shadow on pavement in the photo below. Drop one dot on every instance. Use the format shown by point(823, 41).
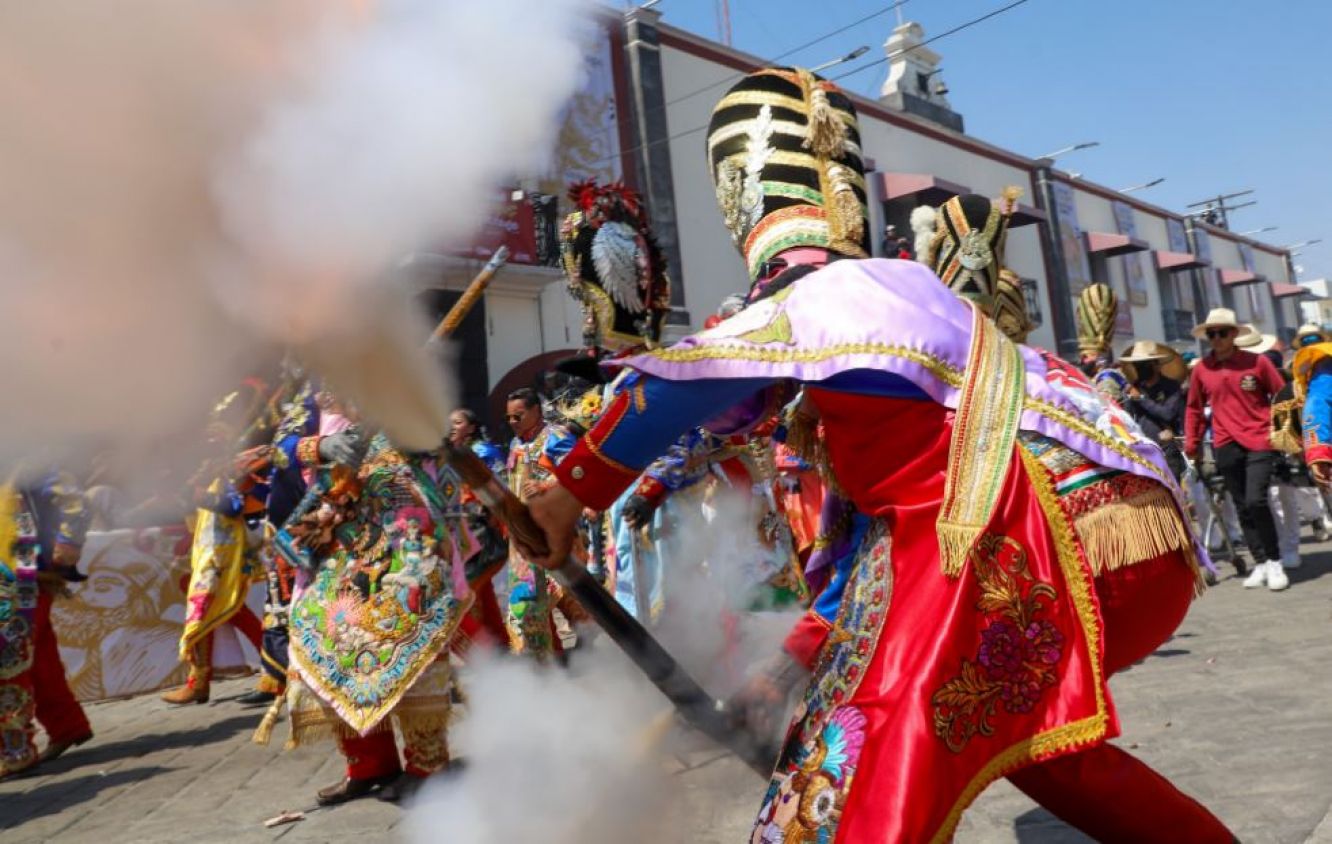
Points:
point(1169, 652)
point(52, 798)
point(101, 754)
point(1038, 826)
point(1312, 567)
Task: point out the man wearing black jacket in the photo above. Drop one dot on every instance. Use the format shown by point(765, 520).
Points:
point(1156, 402)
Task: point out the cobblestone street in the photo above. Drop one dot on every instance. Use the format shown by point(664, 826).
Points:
point(1235, 710)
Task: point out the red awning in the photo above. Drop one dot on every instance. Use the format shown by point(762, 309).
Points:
point(1281, 290)
point(1025, 215)
point(924, 188)
point(1173, 262)
point(1235, 278)
point(1104, 243)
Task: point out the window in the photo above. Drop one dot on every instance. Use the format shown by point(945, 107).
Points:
point(1031, 292)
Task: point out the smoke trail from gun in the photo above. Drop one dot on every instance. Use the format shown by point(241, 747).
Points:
point(191, 185)
point(576, 757)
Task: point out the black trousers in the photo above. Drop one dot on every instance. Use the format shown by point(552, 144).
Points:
point(1248, 474)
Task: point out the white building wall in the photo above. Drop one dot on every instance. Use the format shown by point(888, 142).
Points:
point(1096, 214)
point(712, 267)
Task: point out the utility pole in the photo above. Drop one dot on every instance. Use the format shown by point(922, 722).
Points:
point(724, 21)
point(1216, 211)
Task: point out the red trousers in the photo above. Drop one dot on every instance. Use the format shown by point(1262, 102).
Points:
point(58, 711)
point(376, 755)
point(1104, 791)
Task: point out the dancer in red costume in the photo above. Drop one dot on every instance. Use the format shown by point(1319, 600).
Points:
point(1015, 540)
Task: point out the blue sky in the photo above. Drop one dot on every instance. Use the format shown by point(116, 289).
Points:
point(1214, 95)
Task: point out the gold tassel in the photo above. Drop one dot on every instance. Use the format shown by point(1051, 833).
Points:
point(826, 137)
point(1010, 195)
point(847, 212)
point(1133, 530)
point(263, 734)
point(955, 543)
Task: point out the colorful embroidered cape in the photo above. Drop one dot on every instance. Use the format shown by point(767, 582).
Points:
point(391, 590)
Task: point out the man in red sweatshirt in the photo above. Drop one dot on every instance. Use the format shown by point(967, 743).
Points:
point(1238, 386)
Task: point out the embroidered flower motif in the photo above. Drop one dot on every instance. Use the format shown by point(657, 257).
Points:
point(1019, 651)
point(343, 611)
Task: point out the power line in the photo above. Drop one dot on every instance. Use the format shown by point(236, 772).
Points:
point(952, 31)
point(694, 131)
point(734, 76)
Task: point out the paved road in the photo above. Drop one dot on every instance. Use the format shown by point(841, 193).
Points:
point(1236, 709)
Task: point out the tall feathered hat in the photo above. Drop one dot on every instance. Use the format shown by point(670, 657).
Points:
point(1096, 310)
point(615, 269)
point(1010, 307)
point(967, 250)
point(784, 150)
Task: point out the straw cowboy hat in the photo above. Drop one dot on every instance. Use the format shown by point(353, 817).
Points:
point(1217, 318)
point(1306, 331)
point(1143, 351)
point(1168, 361)
point(1251, 340)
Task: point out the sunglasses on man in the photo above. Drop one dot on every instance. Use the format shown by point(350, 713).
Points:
point(1214, 333)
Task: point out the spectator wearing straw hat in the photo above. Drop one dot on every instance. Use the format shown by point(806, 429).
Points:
point(1155, 401)
point(1308, 335)
point(1239, 387)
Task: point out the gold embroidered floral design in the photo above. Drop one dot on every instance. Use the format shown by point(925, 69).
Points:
point(1019, 651)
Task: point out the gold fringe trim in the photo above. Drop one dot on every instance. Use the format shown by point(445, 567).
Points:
point(1132, 530)
point(955, 541)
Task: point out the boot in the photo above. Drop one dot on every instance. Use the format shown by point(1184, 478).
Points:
point(256, 697)
point(195, 690)
point(350, 789)
point(56, 749)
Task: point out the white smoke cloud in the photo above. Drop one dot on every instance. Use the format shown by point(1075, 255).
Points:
point(189, 185)
point(580, 756)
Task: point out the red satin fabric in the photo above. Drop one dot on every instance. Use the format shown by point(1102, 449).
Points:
point(1141, 605)
point(58, 711)
point(375, 755)
point(908, 783)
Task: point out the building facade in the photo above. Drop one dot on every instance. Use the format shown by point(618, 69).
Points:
point(642, 117)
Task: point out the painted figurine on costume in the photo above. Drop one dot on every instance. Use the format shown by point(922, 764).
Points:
point(1006, 521)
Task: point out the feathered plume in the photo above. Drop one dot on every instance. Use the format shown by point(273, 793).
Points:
point(923, 221)
point(1010, 196)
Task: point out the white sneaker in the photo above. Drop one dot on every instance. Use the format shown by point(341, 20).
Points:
point(1257, 577)
point(1276, 576)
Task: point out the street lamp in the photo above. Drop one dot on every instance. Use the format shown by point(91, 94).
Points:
point(849, 57)
point(1073, 148)
point(1258, 231)
point(1303, 243)
point(1153, 183)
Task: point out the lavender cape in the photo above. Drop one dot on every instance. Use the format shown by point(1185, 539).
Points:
point(897, 317)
